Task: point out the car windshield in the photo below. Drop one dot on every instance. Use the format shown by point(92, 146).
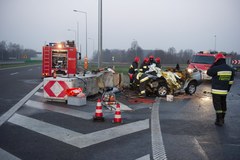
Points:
point(203, 59)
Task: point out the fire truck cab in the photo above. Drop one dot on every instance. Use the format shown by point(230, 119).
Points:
point(60, 57)
point(202, 61)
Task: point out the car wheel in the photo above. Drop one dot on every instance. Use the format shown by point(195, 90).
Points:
point(162, 90)
point(191, 88)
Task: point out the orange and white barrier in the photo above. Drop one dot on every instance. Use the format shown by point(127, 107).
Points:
point(55, 88)
point(98, 113)
point(117, 116)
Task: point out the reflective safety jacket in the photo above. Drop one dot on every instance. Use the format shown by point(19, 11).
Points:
point(144, 67)
point(222, 77)
point(133, 68)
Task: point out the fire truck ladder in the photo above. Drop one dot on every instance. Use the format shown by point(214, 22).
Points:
point(46, 61)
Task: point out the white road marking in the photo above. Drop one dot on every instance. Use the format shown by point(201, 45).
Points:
point(7, 156)
point(58, 109)
point(77, 139)
point(44, 128)
point(108, 134)
point(199, 148)
point(30, 69)
point(158, 148)
point(11, 74)
point(40, 94)
point(147, 157)
point(21, 67)
point(124, 107)
point(12, 110)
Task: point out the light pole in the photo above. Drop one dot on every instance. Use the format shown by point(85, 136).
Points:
point(93, 43)
point(75, 32)
point(86, 25)
point(99, 33)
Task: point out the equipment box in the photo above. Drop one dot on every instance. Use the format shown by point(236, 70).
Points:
point(78, 100)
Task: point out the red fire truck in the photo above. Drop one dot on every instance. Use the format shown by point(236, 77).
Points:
point(203, 60)
point(60, 57)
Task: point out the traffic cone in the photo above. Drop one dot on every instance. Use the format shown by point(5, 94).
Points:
point(117, 116)
point(98, 113)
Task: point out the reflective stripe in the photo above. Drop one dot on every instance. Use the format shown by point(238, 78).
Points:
point(144, 66)
point(117, 116)
point(229, 73)
point(219, 111)
point(139, 75)
point(142, 92)
point(135, 69)
point(217, 91)
point(144, 79)
point(131, 66)
point(230, 82)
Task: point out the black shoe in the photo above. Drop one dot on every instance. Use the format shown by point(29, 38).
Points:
point(219, 119)
point(219, 122)
point(223, 116)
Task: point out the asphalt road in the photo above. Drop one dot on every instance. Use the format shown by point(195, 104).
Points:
point(15, 83)
point(182, 129)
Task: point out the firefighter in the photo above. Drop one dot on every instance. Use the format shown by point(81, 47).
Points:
point(158, 62)
point(222, 79)
point(151, 60)
point(141, 80)
point(133, 70)
point(177, 68)
point(144, 66)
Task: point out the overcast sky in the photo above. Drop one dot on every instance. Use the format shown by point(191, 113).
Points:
point(155, 24)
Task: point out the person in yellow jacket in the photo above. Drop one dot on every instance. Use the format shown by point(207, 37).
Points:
point(144, 66)
point(133, 70)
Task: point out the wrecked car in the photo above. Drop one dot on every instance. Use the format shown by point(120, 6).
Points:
point(162, 83)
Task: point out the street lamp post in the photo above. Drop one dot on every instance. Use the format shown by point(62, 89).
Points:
point(75, 32)
point(99, 33)
point(86, 26)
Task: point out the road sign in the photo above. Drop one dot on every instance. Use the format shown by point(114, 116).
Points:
point(235, 61)
point(56, 88)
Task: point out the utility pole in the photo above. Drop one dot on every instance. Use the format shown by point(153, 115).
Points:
point(99, 33)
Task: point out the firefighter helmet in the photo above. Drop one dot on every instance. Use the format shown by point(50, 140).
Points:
point(151, 57)
point(136, 59)
point(219, 56)
point(158, 60)
point(146, 60)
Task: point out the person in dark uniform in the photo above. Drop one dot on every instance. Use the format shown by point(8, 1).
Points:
point(144, 66)
point(158, 62)
point(222, 79)
point(151, 60)
point(142, 79)
point(133, 69)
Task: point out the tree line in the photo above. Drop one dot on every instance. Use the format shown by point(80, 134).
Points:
point(171, 56)
point(13, 51)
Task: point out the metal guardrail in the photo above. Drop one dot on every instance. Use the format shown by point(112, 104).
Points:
point(12, 62)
